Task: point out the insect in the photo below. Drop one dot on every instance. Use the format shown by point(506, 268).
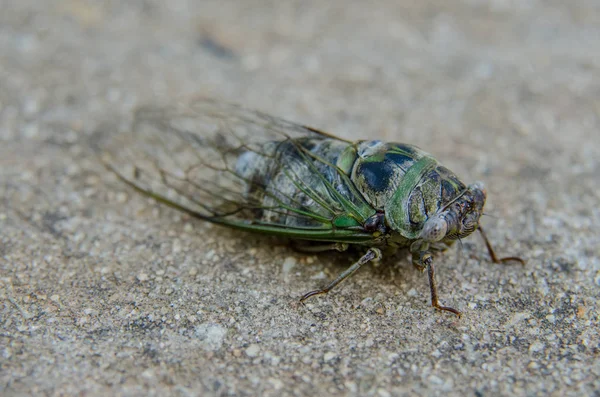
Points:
point(251, 171)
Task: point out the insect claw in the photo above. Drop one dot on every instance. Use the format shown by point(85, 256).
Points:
point(512, 259)
point(312, 293)
point(448, 309)
point(433, 288)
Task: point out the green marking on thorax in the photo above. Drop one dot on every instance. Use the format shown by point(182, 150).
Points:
point(346, 159)
point(396, 212)
point(397, 150)
point(375, 158)
point(431, 190)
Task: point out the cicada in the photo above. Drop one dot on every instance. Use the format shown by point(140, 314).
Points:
point(251, 171)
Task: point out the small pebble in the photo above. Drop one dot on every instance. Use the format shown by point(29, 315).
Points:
point(142, 277)
point(253, 350)
point(329, 356)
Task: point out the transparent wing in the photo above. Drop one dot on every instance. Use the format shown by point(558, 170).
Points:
point(188, 156)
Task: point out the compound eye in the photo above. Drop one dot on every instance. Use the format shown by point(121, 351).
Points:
point(434, 229)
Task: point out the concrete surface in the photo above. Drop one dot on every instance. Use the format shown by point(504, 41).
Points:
point(105, 292)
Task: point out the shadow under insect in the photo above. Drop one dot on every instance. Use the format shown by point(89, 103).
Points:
point(422, 261)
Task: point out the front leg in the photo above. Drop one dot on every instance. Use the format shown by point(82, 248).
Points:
point(495, 259)
point(423, 259)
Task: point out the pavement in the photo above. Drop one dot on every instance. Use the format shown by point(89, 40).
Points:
point(104, 292)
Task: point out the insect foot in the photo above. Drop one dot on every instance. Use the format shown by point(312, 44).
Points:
point(373, 254)
point(432, 287)
point(424, 261)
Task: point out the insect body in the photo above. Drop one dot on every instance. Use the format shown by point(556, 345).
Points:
point(251, 171)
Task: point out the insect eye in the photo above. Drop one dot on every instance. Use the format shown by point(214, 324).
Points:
point(434, 229)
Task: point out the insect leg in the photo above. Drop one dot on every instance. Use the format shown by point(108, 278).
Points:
point(313, 248)
point(372, 254)
point(423, 259)
point(495, 259)
point(427, 260)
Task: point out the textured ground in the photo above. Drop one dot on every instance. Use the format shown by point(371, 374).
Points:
point(103, 291)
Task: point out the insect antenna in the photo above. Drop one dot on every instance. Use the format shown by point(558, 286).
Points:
point(454, 200)
point(490, 215)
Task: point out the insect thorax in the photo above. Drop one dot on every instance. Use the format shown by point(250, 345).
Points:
point(408, 184)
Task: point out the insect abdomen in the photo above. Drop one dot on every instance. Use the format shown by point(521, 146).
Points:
point(289, 173)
